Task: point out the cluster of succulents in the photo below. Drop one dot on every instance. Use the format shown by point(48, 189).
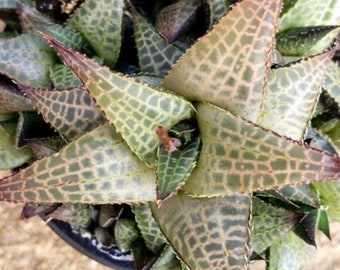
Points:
point(193, 134)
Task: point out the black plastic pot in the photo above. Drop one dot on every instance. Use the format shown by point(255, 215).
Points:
point(90, 247)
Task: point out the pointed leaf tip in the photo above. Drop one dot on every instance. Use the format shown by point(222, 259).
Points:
point(135, 109)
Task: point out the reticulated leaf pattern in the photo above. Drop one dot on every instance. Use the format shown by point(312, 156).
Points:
point(97, 168)
point(135, 109)
point(228, 66)
point(207, 233)
point(71, 112)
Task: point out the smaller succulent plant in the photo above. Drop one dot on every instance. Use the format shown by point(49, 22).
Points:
point(210, 142)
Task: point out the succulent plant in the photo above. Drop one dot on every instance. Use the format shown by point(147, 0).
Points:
point(194, 134)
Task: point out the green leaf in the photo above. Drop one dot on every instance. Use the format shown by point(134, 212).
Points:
point(207, 233)
point(217, 9)
point(167, 261)
point(306, 41)
point(238, 156)
point(307, 228)
point(135, 109)
point(67, 36)
point(289, 253)
point(287, 109)
point(155, 55)
point(126, 232)
point(173, 20)
point(97, 168)
point(332, 81)
point(331, 131)
point(11, 99)
point(152, 235)
point(174, 168)
point(11, 156)
point(71, 112)
point(301, 194)
point(330, 196)
point(64, 78)
point(311, 13)
point(270, 223)
point(26, 59)
point(228, 66)
point(323, 223)
point(100, 22)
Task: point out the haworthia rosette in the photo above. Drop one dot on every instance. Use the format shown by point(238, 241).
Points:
point(97, 168)
point(228, 66)
point(238, 156)
point(135, 109)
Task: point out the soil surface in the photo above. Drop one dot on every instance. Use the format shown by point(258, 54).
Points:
point(31, 245)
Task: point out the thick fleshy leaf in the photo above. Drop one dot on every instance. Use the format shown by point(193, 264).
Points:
point(97, 168)
point(152, 235)
point(67, 36)
point(63, 77)
point(323, 223)
point(331, 130)
point(238, 156)
point(207, 233)
point(228, 66)
point(307, 227)
point(71, 112)
point(174, 168)
point(310, 13)
point(11, 99)
point(330, 195)
point(291, 95)
point(289, 253)
point(217, 9)
point(270, 224)
point(332, 81)
point(167, 261)
point(173, 20)
point(305, 41)
point(301, 194)
point(135, 109)
point(11, 156)
point(126, 232)
point(27, 59)
point(100, 22)
point(155, 55)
